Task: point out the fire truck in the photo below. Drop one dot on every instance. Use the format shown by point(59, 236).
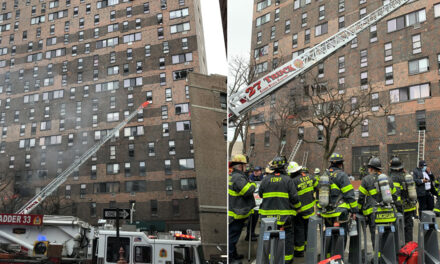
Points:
point(27, 238)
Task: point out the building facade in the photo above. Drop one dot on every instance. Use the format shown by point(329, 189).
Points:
point(208, 113)
point(71, 70)
point(398, 57)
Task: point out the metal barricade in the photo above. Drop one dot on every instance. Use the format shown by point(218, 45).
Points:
point(271, 243)
point(429, 251)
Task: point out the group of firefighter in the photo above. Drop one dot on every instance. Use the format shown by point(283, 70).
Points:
point(292, 195)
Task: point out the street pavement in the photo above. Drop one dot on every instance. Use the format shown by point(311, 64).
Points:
point(243, 246)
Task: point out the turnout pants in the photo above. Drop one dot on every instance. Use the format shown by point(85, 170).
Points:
point(235, 228)
point(300, 227)
point(409, 225)
point(426, 202)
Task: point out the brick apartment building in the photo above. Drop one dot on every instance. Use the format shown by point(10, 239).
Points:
point(73, 69)
point(399, 57)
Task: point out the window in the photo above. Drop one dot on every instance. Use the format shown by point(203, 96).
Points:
point(133, 82)
point(320, 70)
point(172, 147)
point(184, 43)
point(418, 66)
point(183, 125)
point(182, 108)
point(410, 93)
point(154, 208)
point(391, 124)
point(388, 51)
point(147, 50)
point(364, 58)
point(287, 27)
point(362, 12)
point(364, 80)
point(307, 36)
point(168, 95)
point(113, 70)
point(182, 58)
point(132, 37)
point(262, 51)
point(421, 120)
point(389, 79)
point(373, 33)
point(341, 85)
point(181, 74)
point(321, 29)
point(262, 19)
point(300, 3)
point(113, 117)
point(341, 22)
point(263, 4)
point(188, 184)
point(180, 28)
point(179, 13)
point(262, 67)
point(354, 43)
point(374, 102)
point(321, 13)
point(277, 14)
point(133, 131)
point(272, 32)
point(160, 33)
point(146, 7)
point(135, 186)
point(406, 20)
point(416, 44)
point(113, 168)
point(151, 151)
point(106, 187)
point(107, 43)
point(267, 138)
point(341, 64)
point(437, 10)
point(320, 133)
point(364, 128)
point(294, 40)
point(149, 96)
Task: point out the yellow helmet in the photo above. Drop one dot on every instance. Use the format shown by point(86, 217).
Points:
point(238, 159)
point(293, 167)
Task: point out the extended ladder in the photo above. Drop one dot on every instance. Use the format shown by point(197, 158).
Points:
point(60, 179)
point(295, 150)
point(421, 146)
point(250, 151)
point(283, 144)
point(244, 99)
point(305, 157)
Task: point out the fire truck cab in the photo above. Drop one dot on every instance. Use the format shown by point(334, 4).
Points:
point(141, 249)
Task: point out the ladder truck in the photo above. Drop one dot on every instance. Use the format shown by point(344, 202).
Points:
point(246, 98)
point(26, 238)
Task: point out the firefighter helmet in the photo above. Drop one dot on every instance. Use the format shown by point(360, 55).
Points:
point(305, 169)
point(293, 167)
point(278, 162)
point(336, 158)
point(396, 164)
point(317, 171)
point(375, 163)
point(238, 159)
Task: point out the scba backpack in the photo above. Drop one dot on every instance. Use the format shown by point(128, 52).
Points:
point(409, 253)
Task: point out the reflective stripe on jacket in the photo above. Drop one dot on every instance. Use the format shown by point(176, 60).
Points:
point(370, 197)
point(342, 195)
point(305, 187)
point(280, 198)
point(398, 178)
point(241, 196)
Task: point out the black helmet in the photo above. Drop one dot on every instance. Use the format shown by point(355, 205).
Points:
point(395, 163)
point(336, 158)
point(375, 163)
point(278, 163)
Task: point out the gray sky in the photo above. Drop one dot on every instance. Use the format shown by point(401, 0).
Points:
point(214, 42)
point(240, 27)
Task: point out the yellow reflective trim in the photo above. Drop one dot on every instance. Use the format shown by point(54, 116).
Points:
point(393, 190)
point(306, 190)
point(308, 216)
point(411, 209)
point(363, 190)
point(316, 183)
point(237, 216)
point(275, 195)
point(277, 212)
point(334, 186)
point(399, 198)
point(436, 210)
point(243, 191)
point(308, 206)
point(347, 188)
point(396, 184)
point(297, 205)
point(372, 191)
point(344, 205)
point(330, 215)
point(367, 211)
point(386, 220)
point(301, 248)
point(354, 204)
point(288, 257)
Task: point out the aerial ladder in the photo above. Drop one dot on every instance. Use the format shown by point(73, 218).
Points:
point(246, 98)
point(60, 179)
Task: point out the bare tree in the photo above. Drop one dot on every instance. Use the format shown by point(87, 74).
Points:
point(241, 73)
point(55, 204)
point(281, 116)
point(336, 112)
point(10, 201)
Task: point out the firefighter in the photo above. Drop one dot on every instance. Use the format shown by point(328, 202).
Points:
point(377, 197)
point(340, 200)
point(241, 202)
point(405, 188)
point(280, 200)
point(304, 185)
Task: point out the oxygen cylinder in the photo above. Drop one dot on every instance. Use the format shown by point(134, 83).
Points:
point(384, 186)
point(324, 191)
point(411, 187)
